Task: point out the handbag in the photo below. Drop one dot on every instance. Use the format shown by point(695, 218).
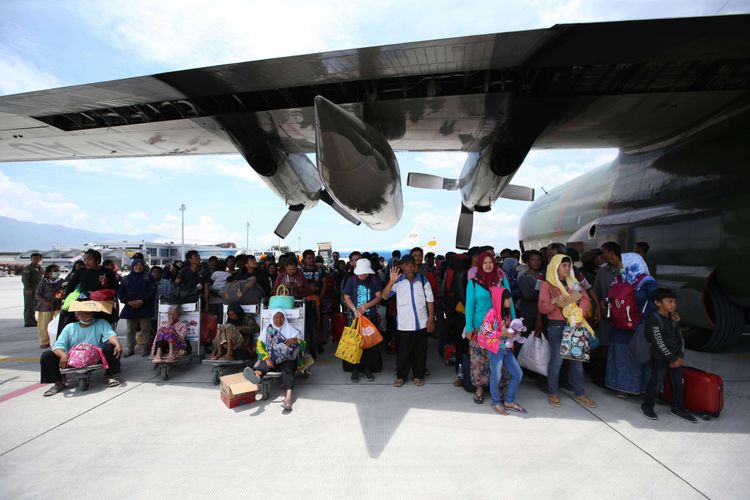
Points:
point(369, 333)
point(245, 292)
point(83, 355)
point(640, 345)
point(282, 299)
point(350, 345)
point(102, 295)
point(575, 344)
point(72, 297)
point(535, 354)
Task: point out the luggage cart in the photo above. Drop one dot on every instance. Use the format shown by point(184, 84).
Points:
point(192, 316)
point(82, 375)
point(221, 367)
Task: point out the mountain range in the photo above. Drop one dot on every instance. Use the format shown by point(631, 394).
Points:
point(20, 236)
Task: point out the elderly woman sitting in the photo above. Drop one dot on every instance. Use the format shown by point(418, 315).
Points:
point(280, 346)
point(86, 330)
point(171, 337)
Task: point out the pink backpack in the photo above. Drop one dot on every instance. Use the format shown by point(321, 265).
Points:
point(622, 306)
point(490, 333)
point(83, 355)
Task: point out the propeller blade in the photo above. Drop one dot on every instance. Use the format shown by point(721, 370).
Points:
point(287, 223)
point(429, 181)
point(328, 199)
point(465, 228)
point(521, 193)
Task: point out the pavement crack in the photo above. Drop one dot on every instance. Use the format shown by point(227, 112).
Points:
point(665, 466)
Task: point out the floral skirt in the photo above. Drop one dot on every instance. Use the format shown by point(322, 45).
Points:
point(480, 365)
point(231, 333)
point(168, 334)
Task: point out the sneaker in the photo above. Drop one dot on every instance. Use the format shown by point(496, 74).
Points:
point(684, 415)
point(369, 375)
point(649, 412)
point(355, 377)
point(586, 401)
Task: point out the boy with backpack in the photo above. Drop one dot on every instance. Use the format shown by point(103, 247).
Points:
point(667, 355)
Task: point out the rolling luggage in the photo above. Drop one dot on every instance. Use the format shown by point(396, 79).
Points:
point(449, 354)
point(704, 392)
point(466, 372)
point(339, 321)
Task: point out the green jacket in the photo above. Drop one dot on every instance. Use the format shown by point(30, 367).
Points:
point(31, 276)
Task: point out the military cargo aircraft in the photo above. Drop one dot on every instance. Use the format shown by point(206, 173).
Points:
point(671, 94)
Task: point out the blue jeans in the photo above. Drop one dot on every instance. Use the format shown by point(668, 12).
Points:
point(504, 356)
point(575, 368)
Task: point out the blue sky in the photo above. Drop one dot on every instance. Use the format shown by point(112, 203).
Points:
point(46, 44)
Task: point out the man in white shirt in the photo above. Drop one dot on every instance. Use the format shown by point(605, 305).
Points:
point(415, 316)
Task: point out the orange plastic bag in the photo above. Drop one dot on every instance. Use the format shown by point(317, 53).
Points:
point(369, 333)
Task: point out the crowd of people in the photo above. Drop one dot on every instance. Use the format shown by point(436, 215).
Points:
point(408, 297)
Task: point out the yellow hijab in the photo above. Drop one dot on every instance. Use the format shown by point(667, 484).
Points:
point(572, 312)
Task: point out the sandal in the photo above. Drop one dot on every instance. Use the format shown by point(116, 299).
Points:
point(478, 399)
point(515, 407)
point(287, 407)
point(499, 409)
point(398, 383)
point(113, 382)
point(52, 391)
point(418, 382)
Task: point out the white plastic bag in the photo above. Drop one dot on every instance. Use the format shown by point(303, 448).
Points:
point(52, 329)
point(534, 354)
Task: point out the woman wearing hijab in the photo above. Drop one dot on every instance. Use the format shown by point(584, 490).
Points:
point(280, 347)
point(624, 373)
point(138, 293)
point(565, 303)
point(233, 338)
point(478, 302)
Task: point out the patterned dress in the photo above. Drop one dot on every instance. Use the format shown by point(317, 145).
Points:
point(172, 333)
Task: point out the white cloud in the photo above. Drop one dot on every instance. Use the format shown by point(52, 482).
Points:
point(22, 76)
point(20, 202)
point(189, 33)
point(158, 169)
point(445, 163)
point(206, 232)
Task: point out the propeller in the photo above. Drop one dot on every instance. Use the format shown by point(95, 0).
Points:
point(520, 193)
point(429, 181)
point(326, 198)
point(465, 228)
point(290, 219)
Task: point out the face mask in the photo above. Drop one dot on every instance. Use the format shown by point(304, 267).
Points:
point(56, 274)
point(86, 322)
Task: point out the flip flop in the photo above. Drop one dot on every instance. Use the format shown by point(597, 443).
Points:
point(113, 382)
point(249, 374)
point(478, 399)
point(500, 409)
point(286, 406)
point(515, 407)
point(52, 391)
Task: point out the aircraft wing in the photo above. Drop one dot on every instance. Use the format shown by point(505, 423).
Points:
point(628, 84)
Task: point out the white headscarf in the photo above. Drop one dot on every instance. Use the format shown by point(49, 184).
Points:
point(287, 330)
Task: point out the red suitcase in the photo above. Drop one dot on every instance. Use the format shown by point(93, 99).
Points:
point(339, 320)
point(704, 392)
point(449, 354)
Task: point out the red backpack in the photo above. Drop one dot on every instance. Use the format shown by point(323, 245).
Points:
point(622, 306)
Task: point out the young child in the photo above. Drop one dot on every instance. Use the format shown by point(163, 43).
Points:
point(667, 354)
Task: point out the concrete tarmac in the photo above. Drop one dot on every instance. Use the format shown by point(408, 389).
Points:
point(175, 439)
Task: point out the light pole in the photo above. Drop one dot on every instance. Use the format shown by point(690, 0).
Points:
point(182, 246)
point(247, 236)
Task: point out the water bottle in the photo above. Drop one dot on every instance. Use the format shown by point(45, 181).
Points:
point(460, 371)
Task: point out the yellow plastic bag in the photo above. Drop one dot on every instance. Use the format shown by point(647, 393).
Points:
point(350, 345)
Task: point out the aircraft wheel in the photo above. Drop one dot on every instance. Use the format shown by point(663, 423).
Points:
point(728, 324)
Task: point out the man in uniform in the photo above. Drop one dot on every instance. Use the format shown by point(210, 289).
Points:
point(30, 277)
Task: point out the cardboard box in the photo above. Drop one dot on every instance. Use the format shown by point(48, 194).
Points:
point(236, 390)
point(92, 306)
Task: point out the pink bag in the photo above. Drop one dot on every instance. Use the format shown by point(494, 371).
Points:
point(490, 333)
point(83, 355)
